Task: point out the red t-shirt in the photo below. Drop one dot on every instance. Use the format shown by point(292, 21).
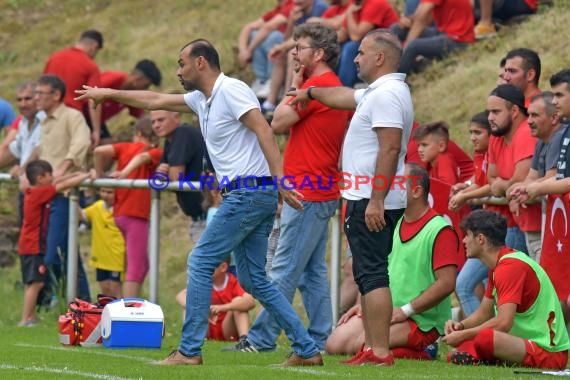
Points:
point(505, 157)
point(75, 68)
point(462, 159)
point(283, 9)
point(446, 245)
point(134, 202)
point(444, 168)
point(336, 10)
point(515, 282)
point(454, 18)
point(376, 12)
point(33, 235)
point(227, 294)
point(313, 150)
point(480, 168)
point(115, 79)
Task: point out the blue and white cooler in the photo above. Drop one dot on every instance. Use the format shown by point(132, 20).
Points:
point(132, 322)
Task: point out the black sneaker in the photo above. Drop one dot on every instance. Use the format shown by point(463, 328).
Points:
point(463, 358)
point(241, 346)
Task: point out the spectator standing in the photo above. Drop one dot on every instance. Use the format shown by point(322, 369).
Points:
point(64, 142)
point(311, 156)
point(132, 206)
point(76, 66)
point(522, 69)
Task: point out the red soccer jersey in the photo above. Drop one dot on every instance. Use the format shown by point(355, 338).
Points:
point(515, 282)
point(36, 216)
point(313, 150)
point(115, 79)
point(227, 294)
point(134, 202)
point(480, 168)
point(75, 68)
point(505, 157)
point(454, 18)
point(444, 168)
point(446, 245)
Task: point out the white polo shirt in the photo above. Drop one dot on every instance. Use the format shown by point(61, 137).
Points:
point(386, 103)
point(233, 148)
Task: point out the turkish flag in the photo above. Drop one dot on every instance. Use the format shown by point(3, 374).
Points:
point(555, 255)
point(439, 200)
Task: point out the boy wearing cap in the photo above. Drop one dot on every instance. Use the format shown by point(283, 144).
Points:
point(144, 74)
point(511, 148)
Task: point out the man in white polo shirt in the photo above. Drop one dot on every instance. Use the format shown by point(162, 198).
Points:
point(373, 170)
point(244, 151)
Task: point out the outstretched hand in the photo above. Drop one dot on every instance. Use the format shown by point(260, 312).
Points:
point(94, 93)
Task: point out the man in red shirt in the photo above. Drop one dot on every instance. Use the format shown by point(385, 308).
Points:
point(519, 320)
point(511, 148)
point(360, 18)
point(453, 30)
point(419, 314)
point(33, 236)
point(143, 75)
point(76, 67)
point(522, 69)
point(311, 161)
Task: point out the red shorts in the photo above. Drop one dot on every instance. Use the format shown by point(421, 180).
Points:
point(418, 339)
point(216, 331)
point(538, 357)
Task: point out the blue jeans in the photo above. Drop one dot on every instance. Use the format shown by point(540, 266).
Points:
point(346, 71)
point(260, 63)
point(516, 240)
point(242, 224)
point(472, 274)
point(57, 243)
point(300, 262)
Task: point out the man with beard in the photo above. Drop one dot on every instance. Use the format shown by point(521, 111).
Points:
point(373, 152)
point(245, 155)
point(544, 124)
point(511, 148)
point(311, 158)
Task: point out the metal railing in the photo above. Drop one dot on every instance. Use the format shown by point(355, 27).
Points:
point(154, 234)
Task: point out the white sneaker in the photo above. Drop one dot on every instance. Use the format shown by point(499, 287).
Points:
point(261, 89)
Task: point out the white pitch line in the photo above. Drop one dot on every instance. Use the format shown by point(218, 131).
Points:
point(64, 371)
point(85, 351)
point(309, 371)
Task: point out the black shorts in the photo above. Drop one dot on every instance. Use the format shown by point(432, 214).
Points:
point(33, 268)
point(103, 275)
point(369, 249)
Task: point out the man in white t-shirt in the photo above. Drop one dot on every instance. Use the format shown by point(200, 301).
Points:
point(373, 179)
point(245, 155)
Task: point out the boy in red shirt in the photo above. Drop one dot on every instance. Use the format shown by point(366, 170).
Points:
point(32, 243)
point(432, 139)
point(229, 311)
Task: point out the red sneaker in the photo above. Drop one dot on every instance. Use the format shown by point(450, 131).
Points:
point(369, 358)
point(355, 357)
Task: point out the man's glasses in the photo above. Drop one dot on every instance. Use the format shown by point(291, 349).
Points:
point(41, 93)
point(301, 47)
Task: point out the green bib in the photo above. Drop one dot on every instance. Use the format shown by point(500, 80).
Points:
point(543, 323)
point(410, 270)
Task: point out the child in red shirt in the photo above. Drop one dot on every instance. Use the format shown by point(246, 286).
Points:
point(32, 243)
point(432, 139)
point(229, 311)
point(132, 206)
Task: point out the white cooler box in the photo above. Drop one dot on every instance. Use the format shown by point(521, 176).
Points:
point(132, 322)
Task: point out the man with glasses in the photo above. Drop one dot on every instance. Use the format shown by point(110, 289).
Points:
point(64, 142)
point(374, 148)
point(311, 159)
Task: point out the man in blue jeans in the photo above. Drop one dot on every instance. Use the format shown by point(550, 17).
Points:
point(312, 154)
point(244, 154)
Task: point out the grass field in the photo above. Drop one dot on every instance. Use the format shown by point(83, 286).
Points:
point(35, 353)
